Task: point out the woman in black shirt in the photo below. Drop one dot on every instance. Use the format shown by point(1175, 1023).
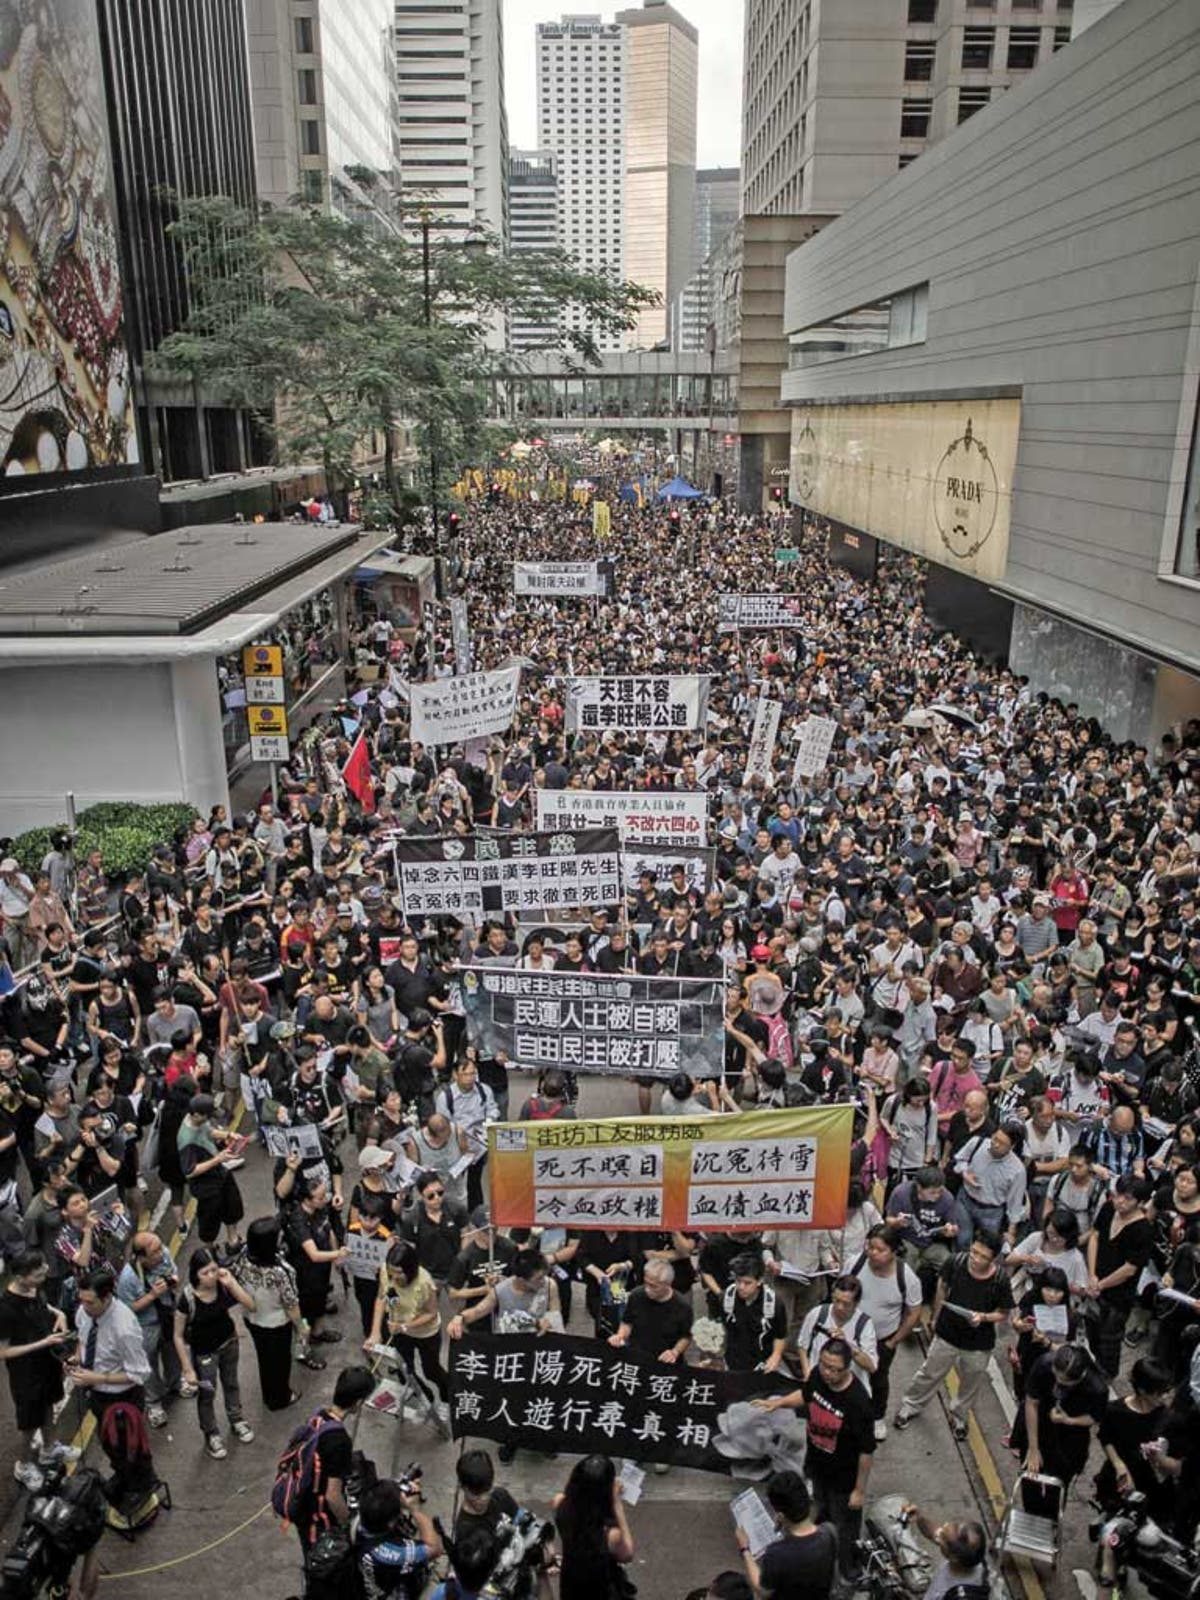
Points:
point(207, 1344)
point(1118, 1249)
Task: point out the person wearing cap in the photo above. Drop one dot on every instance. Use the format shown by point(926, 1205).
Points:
point(379, 1166)
point(205, 1154)
point(16, 894)
point(478, 1267)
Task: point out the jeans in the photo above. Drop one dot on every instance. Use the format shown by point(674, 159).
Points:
point(976, 1216)
point(833, 1505)
point(221, 1365)
point(164, 1363)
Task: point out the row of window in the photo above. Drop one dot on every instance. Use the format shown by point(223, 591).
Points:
point(887, 324)
point(926, 11)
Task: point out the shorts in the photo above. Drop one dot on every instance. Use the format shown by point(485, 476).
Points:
point(38, 1391)
point(223, 1205)
point(650, 1083)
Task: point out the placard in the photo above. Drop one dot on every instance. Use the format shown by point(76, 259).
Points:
point(268, 732)
point(648, 703)
point(699, 867)
point(814, 742)
point(460, 636)
point(558, 1392)
point(641, 817)
point(585, 578)
point(489, 874)
point(760, 755)
point(730, 1174)
point(366, 1255)
point(450, 710)
point(597, 1022)
point(262, 661)
point(750, 611)
point(303, 1140)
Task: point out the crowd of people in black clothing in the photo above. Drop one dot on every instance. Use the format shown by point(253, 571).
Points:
point(978, 924)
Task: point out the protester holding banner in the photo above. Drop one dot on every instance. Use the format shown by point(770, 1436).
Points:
point(406, 1308)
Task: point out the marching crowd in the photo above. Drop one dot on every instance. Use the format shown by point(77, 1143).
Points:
point(977, 925)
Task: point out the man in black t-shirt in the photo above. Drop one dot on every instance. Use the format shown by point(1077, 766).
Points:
point(754, 1317)
point(332, 1468)
point(841, 1444)
point(656, 1321)
point(803, 1560)
point(484, 1502)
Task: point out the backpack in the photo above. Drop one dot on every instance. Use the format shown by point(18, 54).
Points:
point(860, 1322)
point(967, 1591)
point(853, 1272)
point(297, 1473)
point(538, 1111)
point(74, 1516)
point(768, 1306)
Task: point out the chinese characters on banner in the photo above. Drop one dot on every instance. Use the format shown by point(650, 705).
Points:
point(640, 817)
point(762, 740)
point(520, 872)
point(815, 741)
point(755, 1169)
point(747, 611)
point(449, 710)
point(650, 703)
point(460, 636)
point(593, 1022)
point(366, 1255)
point(561, 1393)
point(585, 578)
point(699, 866)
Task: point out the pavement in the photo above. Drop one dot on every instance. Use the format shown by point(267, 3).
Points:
point(221, 1528)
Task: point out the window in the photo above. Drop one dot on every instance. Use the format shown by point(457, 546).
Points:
point(1027, 5)
point(310, 137)
point(922, 10)
point(307, 86)
point(977, 49)
point(1023, 48)
point(887, 324)
point(970, 101)
point(304, 36)
point(914, 118)
point(312, 185)
point(918, 62)
point(1062, 36)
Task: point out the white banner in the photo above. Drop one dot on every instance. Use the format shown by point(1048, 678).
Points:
point(460, 635)
point(657, 704)
point(762, 740)
point(452, 709)
point(697, 867)
point(758, 611)
point(366, 1255)
point(641, 817)
point(558, 578)
point(815, 741)
point(492, 874)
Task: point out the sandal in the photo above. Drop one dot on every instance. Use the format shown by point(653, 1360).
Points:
point(313, 1363)
point(326, 1336)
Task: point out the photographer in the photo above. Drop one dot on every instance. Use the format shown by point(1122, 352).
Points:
point(395, 1542)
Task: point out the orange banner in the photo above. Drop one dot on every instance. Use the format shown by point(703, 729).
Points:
point(748, 1171)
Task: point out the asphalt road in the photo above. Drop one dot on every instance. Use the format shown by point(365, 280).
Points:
point(221, 1531)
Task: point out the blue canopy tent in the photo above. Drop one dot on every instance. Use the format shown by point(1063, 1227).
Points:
point(680, 489)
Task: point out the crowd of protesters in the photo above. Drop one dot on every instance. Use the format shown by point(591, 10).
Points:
point(978, 924)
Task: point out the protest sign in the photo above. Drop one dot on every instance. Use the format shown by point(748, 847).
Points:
point(814, 741)
point(585, 578)
point(305, 1140)
point(596, 1022)
point(366, 1255)
point(449, 710)
point(698, 866)
point(750, 611)
point(648, 703)
point(750, 1170)
point(460, 636)
point(487, 875)
point(562, 1393)
point(762, 740)
point(640, 816)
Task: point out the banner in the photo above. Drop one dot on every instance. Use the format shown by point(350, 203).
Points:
point(449, 710)
point(487, 875)
point(762, 740)
point(747, 611)
point(460, 636)
point(815, 741)
point(366, 1255)
point(596, 1022)
point(585, 578)
point(601, 519)
point(650, 703)
point(559, 1392)
point(699, 866)
point(640, 816)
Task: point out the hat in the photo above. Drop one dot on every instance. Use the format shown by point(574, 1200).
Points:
point(10, 864)
point(283, 1030)
point(479, 1219)
point(371, 1158)
point(1041, 900)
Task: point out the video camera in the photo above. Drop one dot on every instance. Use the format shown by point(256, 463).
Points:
point(521, 1543)
point(1169, 1568)
point(63, 1521)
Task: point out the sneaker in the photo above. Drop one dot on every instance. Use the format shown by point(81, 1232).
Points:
point(902, 1419)
point(958, 1427)
point(29, 1476)
point(156, 1416)
point(244, 1431)
point(215, 1446)
point(56, 1452)
point(1134, 1337)
point(881, 1431)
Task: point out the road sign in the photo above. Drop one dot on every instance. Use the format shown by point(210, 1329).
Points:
point(782, 557)
point(267, 720)
point(264, 691)
point(262, 661)
point(269, 747)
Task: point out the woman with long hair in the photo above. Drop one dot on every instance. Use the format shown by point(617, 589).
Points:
point(406, 1307)
point(594, 1533)
point(207, 1344)
point(275, 1314)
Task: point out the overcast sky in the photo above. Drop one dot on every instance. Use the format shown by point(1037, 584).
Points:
point(720, 110)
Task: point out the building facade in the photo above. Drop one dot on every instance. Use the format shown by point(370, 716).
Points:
point(452, 119)
point(533, 203)
point(659, 201)
point(1010, 387)
point(581, 123)
point(718, 205)
point(839, 94)
point(323, 86)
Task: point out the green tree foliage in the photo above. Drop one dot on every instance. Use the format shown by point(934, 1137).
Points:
point(332, 329)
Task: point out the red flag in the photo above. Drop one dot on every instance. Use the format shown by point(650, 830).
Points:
point(356, 775)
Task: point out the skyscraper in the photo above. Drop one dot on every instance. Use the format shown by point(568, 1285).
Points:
point(718, 206)
point(453, 124)
point(658, 218)
point(533, 204)
point(324, 93)
point(837, 95)
point(581, 116)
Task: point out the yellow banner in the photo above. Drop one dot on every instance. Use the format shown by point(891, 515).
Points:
point(601, 519)
point(751, 1170)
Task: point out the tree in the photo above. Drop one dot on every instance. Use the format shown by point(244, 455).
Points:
point(333, 329)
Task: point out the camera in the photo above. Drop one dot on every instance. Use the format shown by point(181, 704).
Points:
point(522, 1540)
point(63, 1521)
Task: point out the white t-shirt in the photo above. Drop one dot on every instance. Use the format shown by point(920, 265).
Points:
point(882, 1299)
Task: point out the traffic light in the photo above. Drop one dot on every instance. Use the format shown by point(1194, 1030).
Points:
point(453, 523)
point(777, 492)
point(673, 517)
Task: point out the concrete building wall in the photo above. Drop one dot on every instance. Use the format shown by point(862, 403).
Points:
point(1058, 234)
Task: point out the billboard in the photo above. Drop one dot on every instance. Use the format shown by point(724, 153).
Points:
point(65, 393)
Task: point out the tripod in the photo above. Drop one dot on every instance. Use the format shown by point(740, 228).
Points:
point(409, 1391)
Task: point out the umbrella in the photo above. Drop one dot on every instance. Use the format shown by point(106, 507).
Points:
point(917, 718)
point(520, 448)
point(955, 714)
